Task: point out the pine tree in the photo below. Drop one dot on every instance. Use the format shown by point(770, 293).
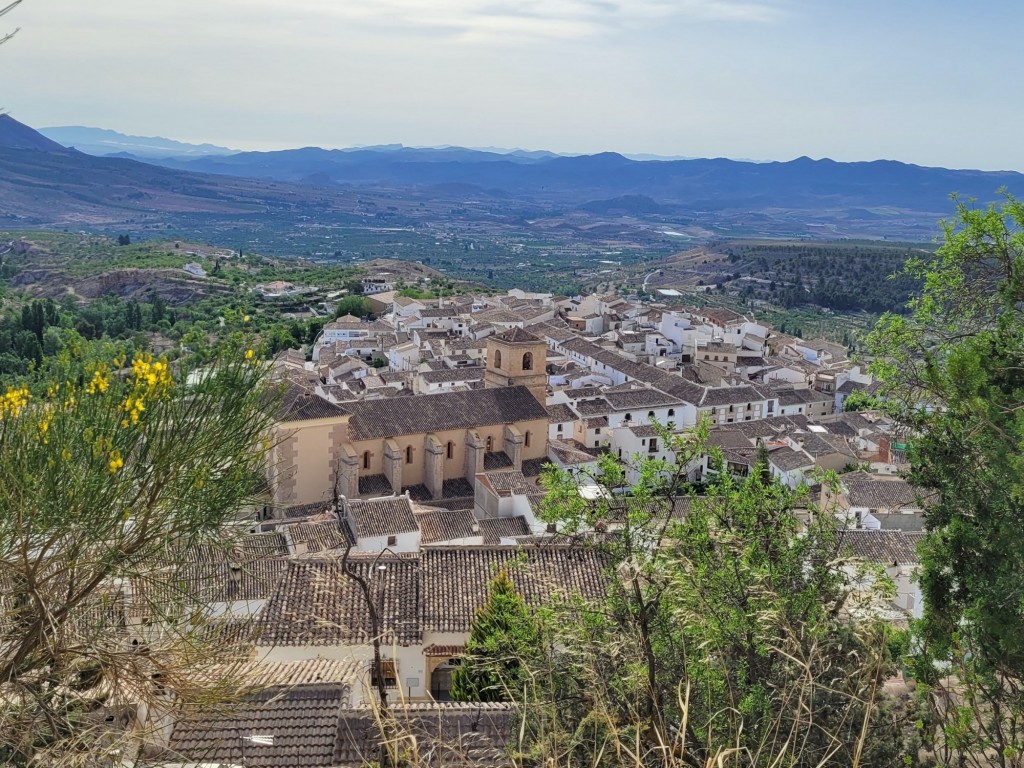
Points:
point(503, 636)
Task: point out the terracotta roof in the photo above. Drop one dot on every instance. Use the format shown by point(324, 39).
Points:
point(517, 336)
point(374, 485)
point(455, 579)
point(449, 375)
point(561, 413)
point(318, 535)
point(303, 723)
point(446, 525)
point(508, 482)
point(640, 398)
point(496, 460)
point(318, 671)
point(495, 529)
point(317, 604)
point(718, 396)
point(301, 404)
point(866, 491)
point(886, 547)
point(440, 651)
point(381, 517)
point(787, 459)
point(436, 413)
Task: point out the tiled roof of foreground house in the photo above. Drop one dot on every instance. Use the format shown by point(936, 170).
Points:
point(304, 724)
point(317, 604)
point(884, 547)
point(440, 589)
point(312, 729)
point(372, 419)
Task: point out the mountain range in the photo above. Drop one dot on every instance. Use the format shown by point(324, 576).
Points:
point(41, 180)
point(102, 142)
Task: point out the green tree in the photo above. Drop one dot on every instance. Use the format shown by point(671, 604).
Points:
point(113, 486)
point(728, 633)
point(503, 639)
point(859, 400)
point(955, 367)
point(358, 306)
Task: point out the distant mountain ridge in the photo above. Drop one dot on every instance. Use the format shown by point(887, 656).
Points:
point(719, 183)
point(41, 180)
point(102, 142)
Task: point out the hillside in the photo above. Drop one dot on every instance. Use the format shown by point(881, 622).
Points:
point(15, 135)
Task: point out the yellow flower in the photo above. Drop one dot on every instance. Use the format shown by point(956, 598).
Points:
point(245, 319)
point(116, 462)
point(13, 401)
point(99, 383)
point(249, 354)
point(65, 455)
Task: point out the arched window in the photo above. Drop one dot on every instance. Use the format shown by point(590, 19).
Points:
point(526, 439)
point(366, 459)
point(497, 358)
point(408, 455)
point(528, 361)
point(450, 451)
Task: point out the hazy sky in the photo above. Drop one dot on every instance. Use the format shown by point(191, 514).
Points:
point(933, 82)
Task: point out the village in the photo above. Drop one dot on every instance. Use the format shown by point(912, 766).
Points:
point(409, 451)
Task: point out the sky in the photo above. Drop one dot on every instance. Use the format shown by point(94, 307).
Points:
point(930, 82)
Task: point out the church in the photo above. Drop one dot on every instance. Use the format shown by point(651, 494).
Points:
point(431, 446)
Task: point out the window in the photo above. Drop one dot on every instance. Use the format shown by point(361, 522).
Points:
point(528, 361)
point(497, 358)
point(490, 444)
point(671, 411)
point(597, 430)
point(392, 541)
point(387, 672)
point(629, 417)
point(650, 414)
point(559, 428)
point(526, 438)
point(653, 445)
point(450, 450)
point(366, 459)
point(408, 455)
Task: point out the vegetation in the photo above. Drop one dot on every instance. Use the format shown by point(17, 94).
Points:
point(504, 634)
point(118, 476)
point(840, 277)
point(733, 632)
point(954, 365)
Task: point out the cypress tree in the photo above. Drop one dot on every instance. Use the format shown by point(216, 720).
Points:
point(504, 635)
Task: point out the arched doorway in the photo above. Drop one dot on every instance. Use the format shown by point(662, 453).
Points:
point(441, 680)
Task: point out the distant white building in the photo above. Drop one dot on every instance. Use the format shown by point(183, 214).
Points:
point(195, 269)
